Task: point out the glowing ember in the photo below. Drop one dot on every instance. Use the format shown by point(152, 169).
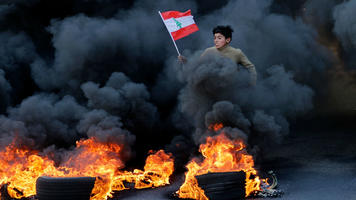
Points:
point(216, 127)
point(221, 154)
point(21, 168)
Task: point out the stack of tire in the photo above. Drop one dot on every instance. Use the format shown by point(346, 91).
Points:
point(64, 188)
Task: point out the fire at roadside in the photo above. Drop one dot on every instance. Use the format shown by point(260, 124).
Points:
point(221, 154)
point(21, 167)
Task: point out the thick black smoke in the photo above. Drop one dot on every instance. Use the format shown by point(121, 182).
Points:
point(333, 21)
point(48, 119)
point(121, 97)
point(5, 88)
point(107, 128)
point(216, 92)
point(345, 29)
point(16, 49)
point(319, 13)
point(16, 52)
point(268, 38)
point(108, 69)
point(91, 48)
point(344, 16)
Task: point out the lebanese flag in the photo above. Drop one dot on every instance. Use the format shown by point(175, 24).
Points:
point(179, 24)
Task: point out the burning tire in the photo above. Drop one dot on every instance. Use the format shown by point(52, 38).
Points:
point(223, 185)
point(50, 188)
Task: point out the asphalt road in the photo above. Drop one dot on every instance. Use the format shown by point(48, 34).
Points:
point(317, 163)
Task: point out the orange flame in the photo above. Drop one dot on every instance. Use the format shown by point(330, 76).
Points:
point(158, 168)
point(216, 127)
point(21, 168)
point(221, 154)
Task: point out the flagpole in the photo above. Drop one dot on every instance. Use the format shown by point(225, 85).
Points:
point(174, 42)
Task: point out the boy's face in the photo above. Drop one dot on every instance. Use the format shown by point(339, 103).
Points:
point(220, 40)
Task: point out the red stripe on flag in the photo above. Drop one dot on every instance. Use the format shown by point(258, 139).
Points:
point(184, 31)
point(175, 14)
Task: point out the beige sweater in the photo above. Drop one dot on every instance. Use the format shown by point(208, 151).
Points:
point(237, 56)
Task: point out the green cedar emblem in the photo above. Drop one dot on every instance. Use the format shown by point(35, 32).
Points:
point(177, 23)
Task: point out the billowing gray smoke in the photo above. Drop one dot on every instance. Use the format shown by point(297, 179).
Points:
point(344, 16)
point(16, 49)
point(216, 92)
point(269, 39)
point(121, 97)
point(90, 48)
point(48, 119)
point(345, 28)
point(5, 88)
point(319, 12)
point(109, 70)
point(335, 18)
point(107, 129)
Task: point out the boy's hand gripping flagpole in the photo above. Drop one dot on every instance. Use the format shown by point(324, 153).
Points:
point(178, 25)
point(174, 42)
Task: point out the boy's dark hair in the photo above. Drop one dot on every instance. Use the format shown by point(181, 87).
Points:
point(224, 30)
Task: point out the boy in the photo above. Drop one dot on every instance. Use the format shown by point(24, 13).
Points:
point(222, 38)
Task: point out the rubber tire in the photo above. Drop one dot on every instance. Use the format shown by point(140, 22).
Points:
point(223, 185)
point(64, 188)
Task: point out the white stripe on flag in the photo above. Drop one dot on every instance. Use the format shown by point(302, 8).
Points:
point(172, 25)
